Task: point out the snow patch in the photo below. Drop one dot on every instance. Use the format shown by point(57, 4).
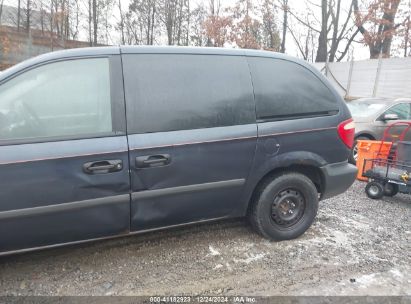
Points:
point(213, 251)
point(366, 280)
point(397, 274)
point(250, 258)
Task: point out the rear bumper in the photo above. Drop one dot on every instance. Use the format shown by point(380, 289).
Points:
point(337, 178)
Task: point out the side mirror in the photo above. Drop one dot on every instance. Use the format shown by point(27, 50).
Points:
point(388, 117)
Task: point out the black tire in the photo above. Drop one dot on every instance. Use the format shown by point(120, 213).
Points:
point(374, 190)
point(352, 159)
point(270, 211)
point(391, 189)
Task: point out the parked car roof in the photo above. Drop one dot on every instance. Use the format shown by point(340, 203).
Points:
point(374, 100)
point(403, 100)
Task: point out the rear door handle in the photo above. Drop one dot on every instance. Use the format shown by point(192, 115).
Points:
point(103, 166)
point(153, 161)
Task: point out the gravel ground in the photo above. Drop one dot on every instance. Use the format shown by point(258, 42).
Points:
point(355, 247)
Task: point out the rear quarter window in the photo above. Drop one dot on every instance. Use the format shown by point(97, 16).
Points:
point(286, 90)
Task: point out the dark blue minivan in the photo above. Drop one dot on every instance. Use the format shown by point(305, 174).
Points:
point(104, 142)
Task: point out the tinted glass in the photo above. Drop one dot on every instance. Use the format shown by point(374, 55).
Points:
point(70, 98)
point(286, 90)
point(402, 110)
point(167, 92)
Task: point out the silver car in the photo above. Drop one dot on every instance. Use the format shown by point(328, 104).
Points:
point(373, 115)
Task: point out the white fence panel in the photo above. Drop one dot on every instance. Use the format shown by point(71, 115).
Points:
point(363, 78)
point(395, 78)
point(389, 78)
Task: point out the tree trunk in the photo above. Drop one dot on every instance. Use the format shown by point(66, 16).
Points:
point(152, 23)
point(407, 36)
point(334, 41)
point(90, 17)
point(62, 12)
point(322, 40)
point(170, 8)
point(389, 29)
point(121, 22)
point(28, 15)
point(18, 14)
point(51, 26)
point(42, 18)
point(95, 23)
point(188, 23)
point(148, 30)
point(1, 9)
point(285, 25)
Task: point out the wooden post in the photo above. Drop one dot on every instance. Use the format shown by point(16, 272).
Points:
point(347, 94)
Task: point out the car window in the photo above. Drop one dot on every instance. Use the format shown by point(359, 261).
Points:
point(68, 98)
point(403, 110)
point(286, 90)
point(170, 92)
point(363, 108)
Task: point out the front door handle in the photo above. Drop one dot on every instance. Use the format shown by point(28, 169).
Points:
point(153, 161)
point(103, 166)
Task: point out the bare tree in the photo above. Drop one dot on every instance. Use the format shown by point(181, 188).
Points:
point(42, 17)
point(304, 41)
point(121, 23)
point(346, 33)
point(76, 20)
point(197, 31)
point(322, 51)
point(284, 7)
point(334, 36)
point(405, 32)
point(270, 34)
point(28, 13)
point(1, 9)
point(95, 22)
point(142, 16)
point(18, 14)
point(407, 38)
point(96, 17)
point(174, 15)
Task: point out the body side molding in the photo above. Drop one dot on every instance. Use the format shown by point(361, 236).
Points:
point(187, 189)
point(124, 198)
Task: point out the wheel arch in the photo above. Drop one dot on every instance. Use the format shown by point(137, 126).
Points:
point(365, 134)
point(311, 171)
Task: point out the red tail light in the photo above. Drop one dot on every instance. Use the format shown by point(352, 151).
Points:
point(346, 131)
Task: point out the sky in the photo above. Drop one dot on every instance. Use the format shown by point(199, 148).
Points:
point(301, 8)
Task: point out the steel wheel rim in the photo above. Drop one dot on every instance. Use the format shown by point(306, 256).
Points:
point(287, 208)
point(374, 190)
point(355, 152)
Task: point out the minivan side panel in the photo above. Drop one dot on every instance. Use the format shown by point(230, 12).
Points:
point(46, 198)
point(286, 138)
point(204, 180)
point(192, 136)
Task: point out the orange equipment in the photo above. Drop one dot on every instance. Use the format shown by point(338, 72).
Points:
point(370, 149)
